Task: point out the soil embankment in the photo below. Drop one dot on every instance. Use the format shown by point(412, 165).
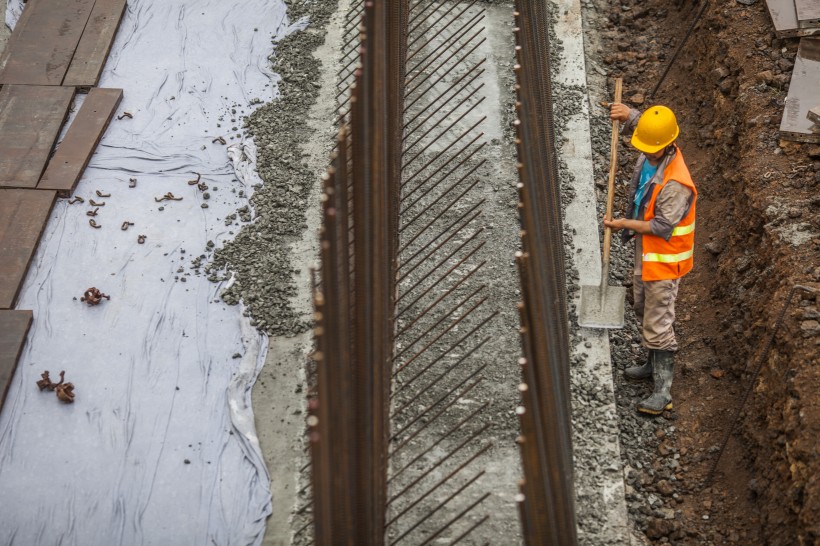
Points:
point(758, 234)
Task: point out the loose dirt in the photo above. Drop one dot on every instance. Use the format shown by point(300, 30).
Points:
point(757, 235)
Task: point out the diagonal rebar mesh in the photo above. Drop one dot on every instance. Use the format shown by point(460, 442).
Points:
point(401, 445)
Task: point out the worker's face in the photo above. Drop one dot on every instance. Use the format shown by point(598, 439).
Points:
point(656, 157)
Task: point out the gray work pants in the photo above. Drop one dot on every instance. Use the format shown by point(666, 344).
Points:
point(655, 310)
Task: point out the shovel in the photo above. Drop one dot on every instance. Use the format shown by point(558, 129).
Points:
point(602, 306)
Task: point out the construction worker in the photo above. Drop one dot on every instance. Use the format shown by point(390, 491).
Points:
point(661, 218)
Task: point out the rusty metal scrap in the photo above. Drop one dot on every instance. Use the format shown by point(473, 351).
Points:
point(167, 197)
point(93, 296)
point(45, 382)
point(64, 391)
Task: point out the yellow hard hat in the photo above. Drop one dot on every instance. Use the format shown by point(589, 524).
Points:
point(657, 128)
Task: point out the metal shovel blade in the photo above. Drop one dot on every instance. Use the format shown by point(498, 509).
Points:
point(602, 306)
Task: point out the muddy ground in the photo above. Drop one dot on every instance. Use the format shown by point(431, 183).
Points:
point(758, 233)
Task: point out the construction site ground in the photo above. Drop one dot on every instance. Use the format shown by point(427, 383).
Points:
point(758, 234)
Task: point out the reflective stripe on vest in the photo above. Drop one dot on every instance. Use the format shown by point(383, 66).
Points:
point(683, 230)
point(667, 258)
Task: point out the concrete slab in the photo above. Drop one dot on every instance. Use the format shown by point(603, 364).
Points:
point(600, 488)
point(804, 93)
point(808, 13)
point(784, 19)
point(45, 39)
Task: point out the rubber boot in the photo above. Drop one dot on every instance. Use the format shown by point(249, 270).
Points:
point(641, 372)
point(661, 398)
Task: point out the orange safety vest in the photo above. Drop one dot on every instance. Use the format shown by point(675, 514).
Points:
point(672, 259)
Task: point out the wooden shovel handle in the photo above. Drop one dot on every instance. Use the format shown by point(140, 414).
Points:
point(613, 167)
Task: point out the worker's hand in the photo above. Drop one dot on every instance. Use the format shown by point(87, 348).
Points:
point(618, 111)
point(616, 224)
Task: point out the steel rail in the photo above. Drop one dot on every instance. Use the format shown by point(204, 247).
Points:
point(438, 414)
point(472, 528)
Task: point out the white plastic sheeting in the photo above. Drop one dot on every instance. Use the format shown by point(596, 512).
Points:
point(159, 446)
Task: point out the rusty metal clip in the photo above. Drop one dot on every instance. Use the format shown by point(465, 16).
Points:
point(167, 197)
point(93, 296)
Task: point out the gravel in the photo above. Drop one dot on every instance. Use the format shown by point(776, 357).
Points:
point(259, 256)
point(652, 470)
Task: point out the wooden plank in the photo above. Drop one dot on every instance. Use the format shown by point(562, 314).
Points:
point(808, 13)
point(804, 93)
point(44, 45)
point(30, 121)
point(72, 156)
point(21, 23)
point(95, 43)
point(23, 216)
point(14, 327)
point(784, 19)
